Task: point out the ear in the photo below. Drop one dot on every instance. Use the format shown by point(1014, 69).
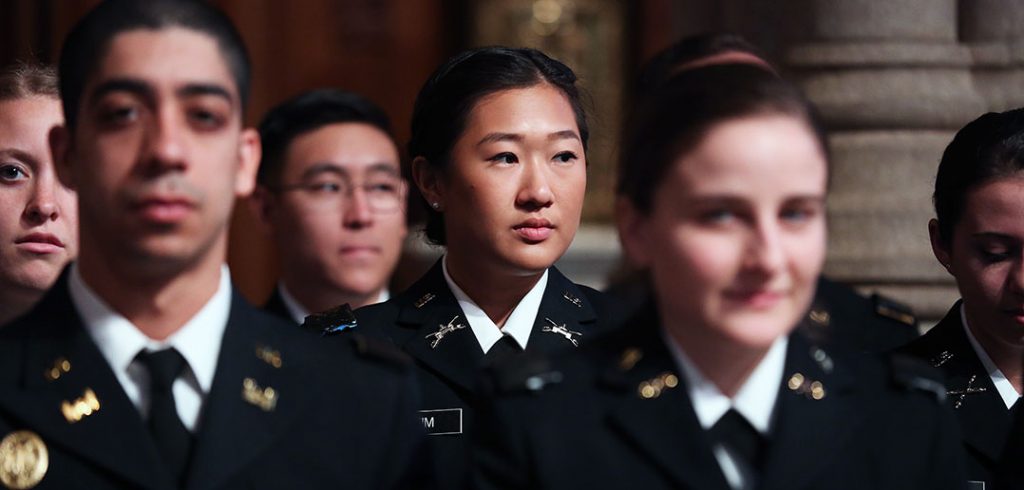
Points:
point(404, 231)
point(939, 246)
point(60, 147)
point(249, 153)
point(633, 227)
point(429, 181)
point(262, 204)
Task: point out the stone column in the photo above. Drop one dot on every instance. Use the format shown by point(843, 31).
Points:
point(892, 84)
point(991, 30)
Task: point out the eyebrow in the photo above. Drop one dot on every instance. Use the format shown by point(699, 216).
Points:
point(143, 89)
point(19, 155)
point(499, 137)
point(334, 168)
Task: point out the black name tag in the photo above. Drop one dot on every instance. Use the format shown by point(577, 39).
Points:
point(975, 485)
point(440, 422)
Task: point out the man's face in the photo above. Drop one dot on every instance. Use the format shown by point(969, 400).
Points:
point(159, 155)
point(340, 220)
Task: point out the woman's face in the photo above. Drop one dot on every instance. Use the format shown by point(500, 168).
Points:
point(513, 191)
point(986, 256)
point(38, 215)
point(735, 238)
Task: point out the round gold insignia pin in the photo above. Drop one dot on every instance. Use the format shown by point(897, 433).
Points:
point(23, 460)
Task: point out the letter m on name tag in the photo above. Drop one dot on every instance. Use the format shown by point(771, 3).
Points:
point(442, 422)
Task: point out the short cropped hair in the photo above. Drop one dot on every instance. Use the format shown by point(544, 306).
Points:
point(26, 79)
point(988, 148)
point(308, 112)
point(87, 44)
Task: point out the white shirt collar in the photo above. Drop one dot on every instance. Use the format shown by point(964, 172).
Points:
point(519, 324)
point(755, 399)
point(119, 341)
point(295, 310)
point(1005, 388)
point(299, 312)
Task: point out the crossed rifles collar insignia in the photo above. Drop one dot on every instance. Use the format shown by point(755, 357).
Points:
point(443, 330)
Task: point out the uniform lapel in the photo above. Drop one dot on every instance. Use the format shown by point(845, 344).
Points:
point(565, 315)
point(983, 416)
point(112, 436)
point(809, 430)
point(660, 423)
point(442, 339)
point(240, 418)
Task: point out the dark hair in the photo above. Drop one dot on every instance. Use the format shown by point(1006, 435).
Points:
point(688, 50)
point(672, 119)
point(26, 79)
point(450, 94)
point(988, 148)
point(307, 112)
point(87, 44)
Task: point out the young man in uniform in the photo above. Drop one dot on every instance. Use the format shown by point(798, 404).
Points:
point(143, 367)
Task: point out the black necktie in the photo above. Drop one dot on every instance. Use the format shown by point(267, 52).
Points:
point(503, 348)
point(735, 433)
point(172, 439)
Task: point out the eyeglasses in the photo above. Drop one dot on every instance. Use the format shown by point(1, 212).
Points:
point(383, 194)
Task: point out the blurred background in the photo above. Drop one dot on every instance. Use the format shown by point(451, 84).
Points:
point(894, 80)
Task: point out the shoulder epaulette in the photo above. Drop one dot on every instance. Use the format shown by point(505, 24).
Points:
point(379, 350)
point(913, 374)
point(893, 310)
point(332, 321)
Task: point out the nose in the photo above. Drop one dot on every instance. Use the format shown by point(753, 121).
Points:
point(357, 213)
point(1016, 278)
point(764, 254)
point(166, 146)
point(535, 187)
point(42, 206)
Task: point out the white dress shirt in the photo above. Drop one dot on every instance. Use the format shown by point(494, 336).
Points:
point(755, 401)
point(120, 341)
point(1005, 388)
point(519, 324)
point(299, 312)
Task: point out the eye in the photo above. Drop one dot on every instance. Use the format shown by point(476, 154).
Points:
point(382, 187)
point(797, 215)
point(206, 119)
point(506, 158)
point(325, 187)
point(119, 115)
point(566, 157)
point(12, 173)
point(717, 216)
point(993, 253)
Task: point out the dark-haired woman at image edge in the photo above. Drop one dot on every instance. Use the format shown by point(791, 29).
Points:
point(498, 144)
point(978, 236)
point(722, 196)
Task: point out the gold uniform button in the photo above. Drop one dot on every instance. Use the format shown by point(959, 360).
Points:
point(24, 460)
point(796, 381)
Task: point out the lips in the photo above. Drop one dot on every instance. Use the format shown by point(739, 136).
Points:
point(164, 209)
point(534, 230)
point(359, 251)
point(755, 298)
point(40, 243)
